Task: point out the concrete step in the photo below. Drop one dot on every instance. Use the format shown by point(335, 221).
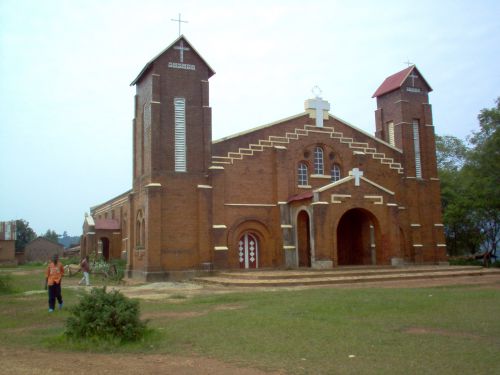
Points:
point(311, 277)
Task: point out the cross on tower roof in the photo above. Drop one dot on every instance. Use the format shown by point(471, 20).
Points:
point(179, 21)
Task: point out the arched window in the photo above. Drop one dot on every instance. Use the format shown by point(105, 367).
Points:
point(302, 174)
point(139, 230)
point(143, 232)
point(318, 161)
point(335, 172)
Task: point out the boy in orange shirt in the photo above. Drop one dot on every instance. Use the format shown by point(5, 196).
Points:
point(53, 277)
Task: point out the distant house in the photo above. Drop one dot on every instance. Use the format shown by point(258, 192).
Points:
point(41, 249)
point(8, 242)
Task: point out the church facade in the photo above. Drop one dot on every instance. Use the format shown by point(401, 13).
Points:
point(310, 190)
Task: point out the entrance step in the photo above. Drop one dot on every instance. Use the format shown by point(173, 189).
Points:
point(343, 275)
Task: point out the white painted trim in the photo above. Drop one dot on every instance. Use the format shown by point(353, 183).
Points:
point(439, 225)
point(90, 232)
point(434, 179)
point(280, 147)
point(392, 204)
point(286, 226)
point(219, 226)
point(415, 225)
point(153, 184)
point(339, 182)
point(215, 167)
point(259, 128)
point(378, 199)
point(316, 203)
point(282, 203)
point(221, 248)
point(418, 245)
point(289, 247)
point(377, 185)
point(367, 134)
point(250, 204)
point(401, 208)
point(304, 187)
point(320, 176)
point(204, 187)
point(441, 245)
point(342, 197)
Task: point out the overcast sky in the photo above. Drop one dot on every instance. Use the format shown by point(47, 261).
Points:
point(66, 106)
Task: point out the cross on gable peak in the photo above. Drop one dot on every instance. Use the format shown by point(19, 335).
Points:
point(357, 174)
point(317, 107)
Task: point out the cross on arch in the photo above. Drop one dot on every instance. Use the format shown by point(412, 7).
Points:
point(357, 175)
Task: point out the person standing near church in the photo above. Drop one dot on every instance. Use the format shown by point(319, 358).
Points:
point(53, 278)
point(84, 266)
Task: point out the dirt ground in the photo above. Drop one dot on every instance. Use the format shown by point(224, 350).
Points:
point(24, 361)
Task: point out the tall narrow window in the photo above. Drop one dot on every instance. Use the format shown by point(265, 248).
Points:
point(180, 134)
point(335, 172)
point(318, 161)
point(390, 130)
point(416, 143)
point(302, 174)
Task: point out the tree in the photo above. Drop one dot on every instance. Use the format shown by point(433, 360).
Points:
point(24, 234)
point(470, 186)
point(51, 235)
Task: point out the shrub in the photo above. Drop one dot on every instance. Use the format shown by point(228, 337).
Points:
point(5, 284)
point(106, 316)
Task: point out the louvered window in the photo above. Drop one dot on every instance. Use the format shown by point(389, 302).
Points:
point(302, 174)
point(318, 161)
point(180, 134)
point(390, 128)
point(416, 143)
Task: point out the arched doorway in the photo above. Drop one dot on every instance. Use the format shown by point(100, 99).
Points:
point(105, 248)
point(357, 235)
point(248, 251)
point(303, 239)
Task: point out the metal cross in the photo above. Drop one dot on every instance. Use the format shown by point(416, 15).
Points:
point(179, 21)
point(181, 49)
point(413, 76)
point(408, 63)
point(357, 175)
point(316, 92)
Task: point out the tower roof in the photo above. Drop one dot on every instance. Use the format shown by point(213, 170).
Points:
point(146, 67)
point(395, 81)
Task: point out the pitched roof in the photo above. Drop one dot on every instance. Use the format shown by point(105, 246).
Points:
point(111, 224)
point(395, 81)
point(146, 67)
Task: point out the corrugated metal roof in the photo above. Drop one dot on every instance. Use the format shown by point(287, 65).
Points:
point(146, 67)
point(395, 81)
point(301, 196)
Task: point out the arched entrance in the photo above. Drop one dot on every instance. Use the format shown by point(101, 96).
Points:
point(357, 235)
point(303, 239)
point(248, 251)
point(105, 248)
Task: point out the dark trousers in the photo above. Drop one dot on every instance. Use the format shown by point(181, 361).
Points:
point(54, 292)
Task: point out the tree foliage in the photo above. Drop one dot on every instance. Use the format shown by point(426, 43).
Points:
point(470, 192)
point(25, 234)
point(51, 235)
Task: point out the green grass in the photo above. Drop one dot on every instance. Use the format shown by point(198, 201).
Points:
point(445, 330)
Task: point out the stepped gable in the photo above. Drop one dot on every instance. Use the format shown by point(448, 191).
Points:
point(236, 147)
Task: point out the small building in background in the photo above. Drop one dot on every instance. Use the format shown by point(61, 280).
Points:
point(8, 242)
point(42, 249)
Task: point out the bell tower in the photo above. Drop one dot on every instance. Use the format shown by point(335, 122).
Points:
point(172, 133)
point(404, 120)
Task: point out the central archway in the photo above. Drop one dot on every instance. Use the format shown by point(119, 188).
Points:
point(357, 234)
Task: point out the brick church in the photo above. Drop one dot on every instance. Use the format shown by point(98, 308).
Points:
point(310, 190)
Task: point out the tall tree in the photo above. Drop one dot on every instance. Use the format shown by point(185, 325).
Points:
point(24, 234)
point(51, 235)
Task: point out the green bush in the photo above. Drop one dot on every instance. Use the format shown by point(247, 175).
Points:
point(105, 316)
point(5, 284)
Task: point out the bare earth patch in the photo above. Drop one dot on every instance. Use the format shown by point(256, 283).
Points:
point(23, 362)
point(441, 332)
